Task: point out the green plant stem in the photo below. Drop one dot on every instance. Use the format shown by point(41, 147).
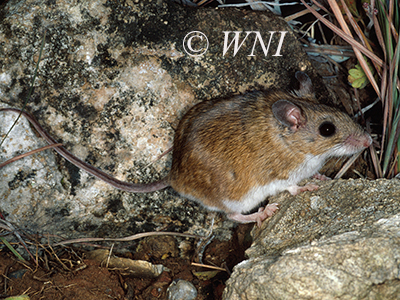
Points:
point(12, 249)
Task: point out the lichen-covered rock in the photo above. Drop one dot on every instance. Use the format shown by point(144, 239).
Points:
point(112, 83)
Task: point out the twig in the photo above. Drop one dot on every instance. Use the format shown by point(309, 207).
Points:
point(29, 153)
point(58, 259)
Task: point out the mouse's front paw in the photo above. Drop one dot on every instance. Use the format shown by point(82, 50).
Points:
point(295, 189)
point(321, 177)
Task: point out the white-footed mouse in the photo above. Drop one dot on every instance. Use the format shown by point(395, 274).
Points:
point(230, 154)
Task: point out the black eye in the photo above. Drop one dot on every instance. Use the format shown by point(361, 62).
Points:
point(327, 129)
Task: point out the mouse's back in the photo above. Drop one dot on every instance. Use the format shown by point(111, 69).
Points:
point(215, 147)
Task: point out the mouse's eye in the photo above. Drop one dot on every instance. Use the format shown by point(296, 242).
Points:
point(327, 129)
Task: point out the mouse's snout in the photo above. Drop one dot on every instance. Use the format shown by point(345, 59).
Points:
point(359, 141)
point(368, 140)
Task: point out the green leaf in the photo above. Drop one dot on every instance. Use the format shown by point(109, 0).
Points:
point(22, 297)
point(357, 78)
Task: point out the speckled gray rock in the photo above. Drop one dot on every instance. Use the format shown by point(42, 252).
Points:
point(340, 242)
point(112, 84)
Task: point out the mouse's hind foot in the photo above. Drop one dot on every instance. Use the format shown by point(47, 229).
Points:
point(258, 217)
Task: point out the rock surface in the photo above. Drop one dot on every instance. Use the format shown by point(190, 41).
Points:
point(340, 242)
point(112, 83)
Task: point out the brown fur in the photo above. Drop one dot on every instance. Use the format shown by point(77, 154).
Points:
point(223, 148)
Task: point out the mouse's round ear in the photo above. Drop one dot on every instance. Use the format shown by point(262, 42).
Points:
point(306, 87)
point(289, 114)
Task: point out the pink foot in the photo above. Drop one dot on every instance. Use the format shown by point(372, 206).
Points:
point(321, 177)
point(295, 189)
point(258, 217)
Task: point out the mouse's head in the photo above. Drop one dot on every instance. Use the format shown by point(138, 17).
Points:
point(315, 128)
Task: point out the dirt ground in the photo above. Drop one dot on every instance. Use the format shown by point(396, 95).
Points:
point(68, 273)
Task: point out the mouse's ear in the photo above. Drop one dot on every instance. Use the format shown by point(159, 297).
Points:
point(306, 87)
point(289, 114)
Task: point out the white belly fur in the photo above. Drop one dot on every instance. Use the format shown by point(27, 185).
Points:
point(258, 194)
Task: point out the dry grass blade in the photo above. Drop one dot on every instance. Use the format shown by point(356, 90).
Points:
point(347, 165)
point(31, 87)
point(5, 227)
point(128, 238)
point(345, 36)
point(379, 35)
point(208, 266)
point(394, 164)
point(321, 7)
point(355, 26)
point(365, 42)
point(299, 14)
point(330, 50)
point(375, 161)
point(374, 155)
point(28, 153)
point(336, 10)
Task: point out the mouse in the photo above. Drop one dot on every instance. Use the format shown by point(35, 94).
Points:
point(230, 154)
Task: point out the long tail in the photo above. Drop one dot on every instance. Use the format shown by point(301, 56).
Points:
point(122, 185)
